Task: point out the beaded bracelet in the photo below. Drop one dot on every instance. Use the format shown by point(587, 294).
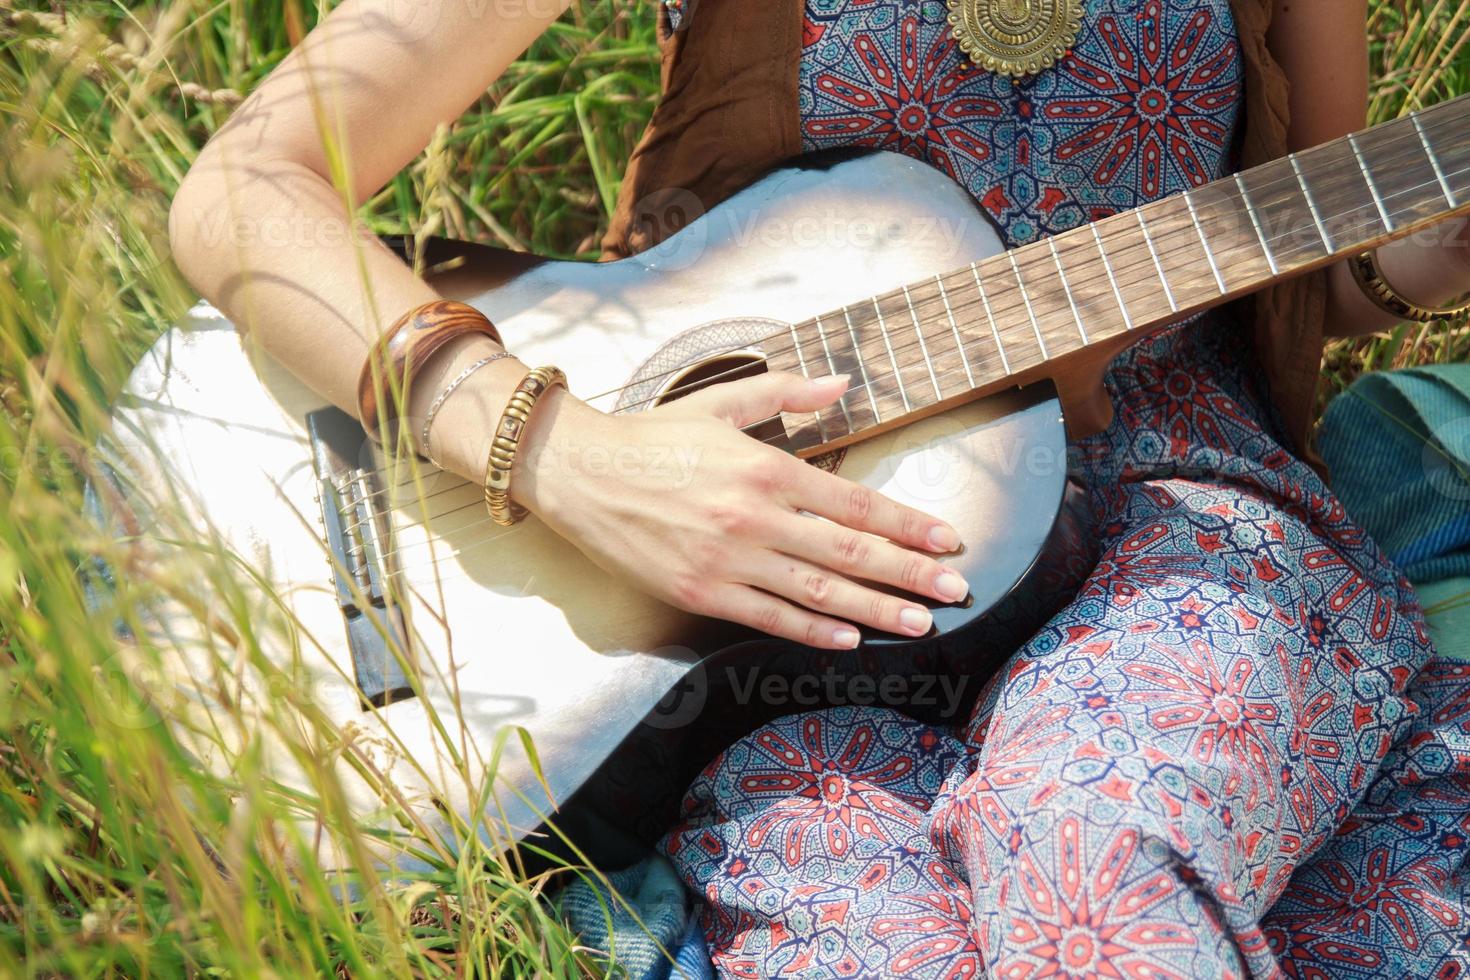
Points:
point(502, 456)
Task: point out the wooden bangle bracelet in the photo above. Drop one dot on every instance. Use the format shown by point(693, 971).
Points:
point(403, 350)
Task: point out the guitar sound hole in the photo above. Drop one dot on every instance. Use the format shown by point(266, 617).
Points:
point(731, 367)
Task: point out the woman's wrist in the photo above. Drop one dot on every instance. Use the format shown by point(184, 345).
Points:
point(543, 479)
point(1430, 268)
point(462, 420)
point(464, 424)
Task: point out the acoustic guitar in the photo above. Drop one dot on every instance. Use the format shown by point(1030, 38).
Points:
point(396, 610)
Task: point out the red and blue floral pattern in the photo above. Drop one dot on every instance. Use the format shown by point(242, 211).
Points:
point(1145, 104)
point(1221, 759)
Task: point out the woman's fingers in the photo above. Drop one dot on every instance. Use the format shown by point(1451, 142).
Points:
point(861, 555)
point(751, 400)
point(775, 616)
point(860, 508)
point(823, 590)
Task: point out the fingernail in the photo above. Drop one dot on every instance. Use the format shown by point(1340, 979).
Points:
point(845, 638)
point(942, 537)
point(915, 620)
point(832, 380)
point(951, 586)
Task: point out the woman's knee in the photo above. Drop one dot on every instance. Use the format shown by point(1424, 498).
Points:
point(1211, 811)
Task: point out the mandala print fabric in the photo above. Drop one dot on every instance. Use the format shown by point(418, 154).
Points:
point(1227, 756)
point(1145, 105)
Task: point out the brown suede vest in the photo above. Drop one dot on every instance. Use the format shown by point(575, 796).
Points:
point(729, 114)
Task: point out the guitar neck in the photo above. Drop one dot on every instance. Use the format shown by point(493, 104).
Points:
point(935, 343)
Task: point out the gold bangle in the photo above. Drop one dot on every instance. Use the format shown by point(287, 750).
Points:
point(502, 455)
point(1370, 279)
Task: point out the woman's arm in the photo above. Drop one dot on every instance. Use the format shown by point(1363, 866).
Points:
point(261, 224)
point(1323, 48)
point(261, 227)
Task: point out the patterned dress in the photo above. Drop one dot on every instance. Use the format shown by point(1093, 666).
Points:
point(1227, 755)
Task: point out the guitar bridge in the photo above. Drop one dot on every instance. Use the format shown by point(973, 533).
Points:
point(361, 555)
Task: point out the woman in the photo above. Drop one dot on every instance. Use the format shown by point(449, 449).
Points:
point(1224, 756)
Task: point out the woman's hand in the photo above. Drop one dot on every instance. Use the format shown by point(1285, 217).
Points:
point(700, 515)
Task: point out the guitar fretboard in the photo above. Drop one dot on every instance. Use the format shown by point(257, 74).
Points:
point(938, 340)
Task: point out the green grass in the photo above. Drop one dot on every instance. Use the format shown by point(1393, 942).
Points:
point(117, 855)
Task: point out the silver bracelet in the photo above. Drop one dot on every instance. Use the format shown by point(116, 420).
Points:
point(443, 396)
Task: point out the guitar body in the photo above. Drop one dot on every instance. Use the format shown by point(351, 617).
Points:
point(513, 626)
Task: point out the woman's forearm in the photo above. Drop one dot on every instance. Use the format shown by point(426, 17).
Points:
point(271, 244)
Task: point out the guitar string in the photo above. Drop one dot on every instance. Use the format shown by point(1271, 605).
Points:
point(1184, 234)
point(886, 375)
point(482, 520)
point(1034, 256)
point(923, 307)
point(1289, 180)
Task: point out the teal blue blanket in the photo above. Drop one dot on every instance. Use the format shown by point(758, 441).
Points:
point(1398, 445)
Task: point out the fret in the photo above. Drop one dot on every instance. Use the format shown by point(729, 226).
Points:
point(1099, 312)
point(832, 366)
point(1205, 243)
point(989, 315)
point(955, 329)
point(1131, 267)
point(1025, 298)
point(1439, 174)
point(1301, 181)
point(1112, 279)
point(1398, 170)
point(911, 360)
point(1062, 275)
point(924, 347)
point(1183, 252)
point(1345, 192)
point(1444, 128)
point(903, 392)
point(1148, 239)
point(857, 350)
point(796, 346)
point(1383, 214)
point(1048, 298)
point(1250, 208)
point(949, 362)
point(805, 373)
point(1231, 236)
point(1285, 214)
